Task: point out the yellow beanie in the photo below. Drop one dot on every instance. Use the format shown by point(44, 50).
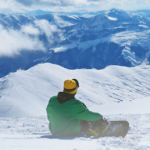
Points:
point(70, 86)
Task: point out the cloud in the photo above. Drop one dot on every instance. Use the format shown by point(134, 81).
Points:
point(12, 5)
point(13, 41)
point(77, 2)
point(52, 2)
point(72, 5)
point(48, 29)
point(29, 2)
point(30, 29)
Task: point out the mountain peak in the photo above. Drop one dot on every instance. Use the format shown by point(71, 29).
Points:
point(117, 13)
point(38, 12)
point(116, 10)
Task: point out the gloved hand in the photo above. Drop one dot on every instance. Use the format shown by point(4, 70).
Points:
point(100, 124)
point(103, 121)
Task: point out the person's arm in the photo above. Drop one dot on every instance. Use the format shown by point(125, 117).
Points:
point(79, 111)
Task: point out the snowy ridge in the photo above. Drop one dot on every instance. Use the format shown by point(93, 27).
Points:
point(114, 37)
point(118, 93)
point(102, 40)
point(32, 88)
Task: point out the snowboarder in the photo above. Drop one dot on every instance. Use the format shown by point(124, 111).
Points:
point(68, 116)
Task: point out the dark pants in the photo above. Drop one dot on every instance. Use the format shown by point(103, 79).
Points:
point(97, 126)
point(85, 126)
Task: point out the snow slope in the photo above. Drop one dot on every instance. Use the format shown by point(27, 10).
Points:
point(32, 88)
point(119, 93)
point(32, 133)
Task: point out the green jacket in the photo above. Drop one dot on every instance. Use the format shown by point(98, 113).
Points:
point(65, 115)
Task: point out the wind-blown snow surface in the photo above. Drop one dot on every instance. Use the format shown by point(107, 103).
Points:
point(116, 92)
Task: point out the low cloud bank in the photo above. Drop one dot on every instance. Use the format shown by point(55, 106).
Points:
point(12, 41)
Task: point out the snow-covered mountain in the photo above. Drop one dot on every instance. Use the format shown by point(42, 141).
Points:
point(114, 37)
point(42, 12)
point(25, 40)
point(16, 21)
point(117, 92)
point(26, 93)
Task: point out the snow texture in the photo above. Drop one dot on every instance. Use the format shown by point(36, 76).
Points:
point(118, 93)
point(32, 133)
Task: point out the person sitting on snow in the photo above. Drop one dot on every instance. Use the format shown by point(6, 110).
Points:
point(69, 116)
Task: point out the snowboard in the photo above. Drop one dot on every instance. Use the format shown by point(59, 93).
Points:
point(113, 129)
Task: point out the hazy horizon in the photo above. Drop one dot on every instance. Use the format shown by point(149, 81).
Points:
point(81, 6)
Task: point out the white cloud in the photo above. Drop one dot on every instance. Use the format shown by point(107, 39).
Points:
point(77, 5)
point(12, 5)
point(48, 29)
point(29, 29)
point(52, 2)
point(78, 2)
point(4, 4)
point(13, 41)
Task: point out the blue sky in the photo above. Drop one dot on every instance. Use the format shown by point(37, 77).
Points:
point(70, 5)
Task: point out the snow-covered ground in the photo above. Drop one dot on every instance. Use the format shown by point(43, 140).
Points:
point(31, 133)
point(119, 93)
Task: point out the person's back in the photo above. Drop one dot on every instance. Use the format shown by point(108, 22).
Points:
point(62, 117)
point(66, 113)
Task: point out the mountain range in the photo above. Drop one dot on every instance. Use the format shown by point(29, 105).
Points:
point(113, 37)
point(30, 43)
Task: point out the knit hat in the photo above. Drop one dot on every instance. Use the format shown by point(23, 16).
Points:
point(71, 86)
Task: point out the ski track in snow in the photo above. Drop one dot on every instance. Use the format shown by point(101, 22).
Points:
point(32, 133)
